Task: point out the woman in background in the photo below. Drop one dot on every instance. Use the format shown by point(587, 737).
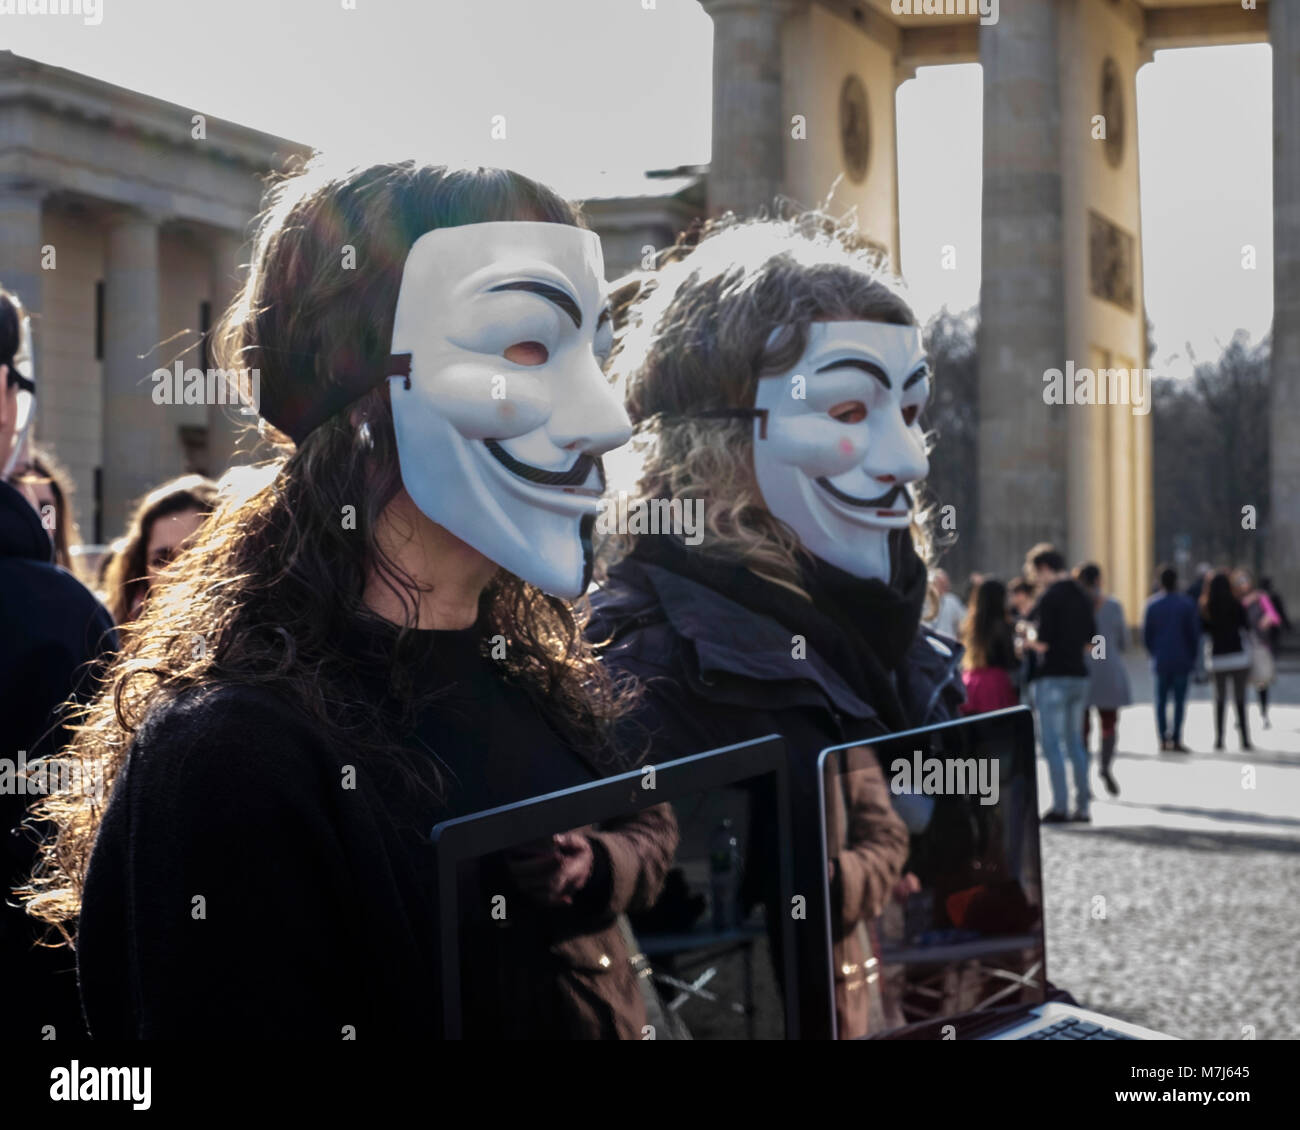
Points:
point(1227, 632)
point(990, 657)
point(163, 522)
point(1109, 689)
point(1264, 621)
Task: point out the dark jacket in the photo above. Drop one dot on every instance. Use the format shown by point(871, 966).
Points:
point(1171, 633)
point(1066, 623)
point(52, 632)
point(716, 673)
point(319, 909)
point(1225, 627)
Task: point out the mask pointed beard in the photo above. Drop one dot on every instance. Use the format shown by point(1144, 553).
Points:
point(505, 453)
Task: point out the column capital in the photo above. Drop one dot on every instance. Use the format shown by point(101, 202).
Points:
point(118, 215)
point(23, 188)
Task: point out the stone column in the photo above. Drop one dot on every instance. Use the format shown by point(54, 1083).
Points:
point(747, 170)
point(21, 240)
point(1022, 441)
point(137, 454)
point(1284, 508)
point(20, 244)
point(227, 426)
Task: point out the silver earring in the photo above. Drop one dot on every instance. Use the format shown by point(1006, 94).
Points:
point(363, 435)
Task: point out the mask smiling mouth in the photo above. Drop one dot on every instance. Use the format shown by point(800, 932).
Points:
point(880, 502)
point(575, 477)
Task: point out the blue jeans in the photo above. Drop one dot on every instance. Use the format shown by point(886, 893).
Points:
point(1167, 685)
point(1062, 701)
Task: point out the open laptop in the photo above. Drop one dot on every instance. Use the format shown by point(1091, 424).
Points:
point(958, 951)
point(680, 873)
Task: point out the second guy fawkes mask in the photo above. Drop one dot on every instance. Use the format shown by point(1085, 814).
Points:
point(506, 411)
point(836, 453)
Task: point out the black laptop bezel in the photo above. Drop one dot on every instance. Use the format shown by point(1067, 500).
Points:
point(497, 829)
point(1022, 721)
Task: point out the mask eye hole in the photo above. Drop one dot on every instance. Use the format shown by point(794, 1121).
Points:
point(527, 353)
point(849, 412)
point(910, 413)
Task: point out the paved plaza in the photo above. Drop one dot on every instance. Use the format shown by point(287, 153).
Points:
point(1179, 907)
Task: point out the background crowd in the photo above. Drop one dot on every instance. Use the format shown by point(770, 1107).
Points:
point(1055, 640)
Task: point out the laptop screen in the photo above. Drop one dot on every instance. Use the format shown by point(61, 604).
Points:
point(613, 911)
point(961, 930)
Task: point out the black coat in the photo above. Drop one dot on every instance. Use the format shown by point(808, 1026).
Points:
point(52, 631)
point(716, 673)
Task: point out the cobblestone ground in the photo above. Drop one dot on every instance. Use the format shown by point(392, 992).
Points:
point(1179, 907)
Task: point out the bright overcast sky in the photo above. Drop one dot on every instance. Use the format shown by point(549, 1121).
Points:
point(596, 91)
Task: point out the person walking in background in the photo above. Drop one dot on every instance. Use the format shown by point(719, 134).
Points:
point(1227, 633)
point(163, 521)
point(1171, 634)
point(1279, 606)
point(948, 617)
point(1065, 626)
point(1264, 622)
point(990, 656)
point(1109, 689)
point(1022, 595)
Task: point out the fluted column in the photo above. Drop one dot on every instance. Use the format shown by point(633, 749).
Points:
point(1022, 441)
point(137, 432)
point(747, 169)
point(1284, 517)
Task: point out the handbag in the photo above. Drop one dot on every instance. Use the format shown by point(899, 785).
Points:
point(1232, 660)
point(1262, 668)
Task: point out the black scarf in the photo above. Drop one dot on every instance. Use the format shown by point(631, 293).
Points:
point(861, 628)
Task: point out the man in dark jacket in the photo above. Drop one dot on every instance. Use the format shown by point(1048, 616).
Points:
point(1171, 634)
point(51, 631)
point(1065, 626)
point(782, 380)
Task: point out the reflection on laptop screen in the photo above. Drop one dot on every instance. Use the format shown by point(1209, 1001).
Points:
point(962, 929)
point(633, 921)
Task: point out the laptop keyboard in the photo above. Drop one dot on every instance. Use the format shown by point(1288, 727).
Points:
point(1072, 1028)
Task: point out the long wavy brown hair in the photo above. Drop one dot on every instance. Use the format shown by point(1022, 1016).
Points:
point(731, 302)
point(275, 580)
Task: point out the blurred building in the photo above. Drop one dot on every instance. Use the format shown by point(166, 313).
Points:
point(122, 220)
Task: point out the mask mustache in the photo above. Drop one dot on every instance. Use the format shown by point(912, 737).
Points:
point(880, 502)
point(575, 476)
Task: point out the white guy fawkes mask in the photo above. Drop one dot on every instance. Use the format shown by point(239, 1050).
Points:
point(834, 453)
point(505, 454)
